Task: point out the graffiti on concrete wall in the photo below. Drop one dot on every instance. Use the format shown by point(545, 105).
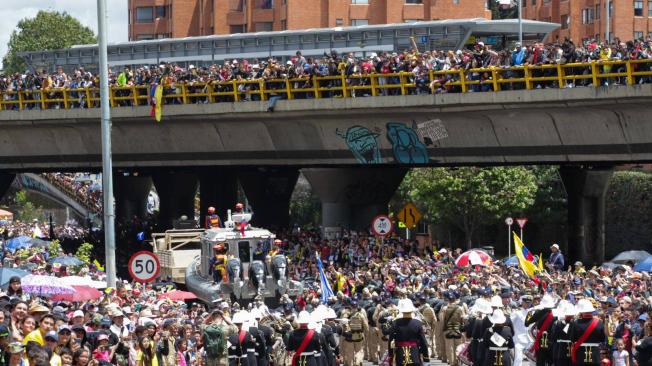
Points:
point(406, 146)
point(430, 131)
point(363, 143)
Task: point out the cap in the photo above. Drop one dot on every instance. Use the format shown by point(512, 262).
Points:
point(556, 246)
point(52, 335)
point(78, 313)
point(64, 328)
point(16, 347)
point(102, 337)
point(105, 322)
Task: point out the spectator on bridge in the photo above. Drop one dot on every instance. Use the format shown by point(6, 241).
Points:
point(556, 260)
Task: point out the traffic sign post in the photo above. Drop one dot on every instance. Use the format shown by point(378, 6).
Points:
point(509, 222)
point(521, 223)
point(382, 225)
point(144, 266)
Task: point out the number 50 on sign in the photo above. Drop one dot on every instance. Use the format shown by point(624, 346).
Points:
point(144, 266)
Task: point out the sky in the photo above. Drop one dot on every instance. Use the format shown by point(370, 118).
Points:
point(12, 11)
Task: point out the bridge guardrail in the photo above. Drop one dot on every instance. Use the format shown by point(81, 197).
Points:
point(495, 79)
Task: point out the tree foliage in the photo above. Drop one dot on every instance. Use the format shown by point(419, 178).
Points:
point(469, 197)
point(305, 206)
point(27, 211)
point(84, 252)
point(47, 31)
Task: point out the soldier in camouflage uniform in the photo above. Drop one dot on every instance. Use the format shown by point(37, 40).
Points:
point(429, 323)
point(353, 335)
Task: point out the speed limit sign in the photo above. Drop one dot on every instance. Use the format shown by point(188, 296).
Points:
point(144, 266)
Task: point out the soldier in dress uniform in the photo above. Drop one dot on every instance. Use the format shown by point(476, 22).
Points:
point(560, 335)
point(304, 342)
point(261, 353)
point(212, 219)
point(543, 318)
point(410, 345)
point(587, 336)
point(498, 341)
point(241, 345)
point(476, 328)
point(521, 340)
point(328, 331)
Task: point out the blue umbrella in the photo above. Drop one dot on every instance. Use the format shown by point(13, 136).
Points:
point(7, 273)
point(644, 266)
point(511, 261)
point(67, 261)
point(18, 243)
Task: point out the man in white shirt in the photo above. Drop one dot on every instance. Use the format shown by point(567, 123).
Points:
point(521, 340)
point(118, 327)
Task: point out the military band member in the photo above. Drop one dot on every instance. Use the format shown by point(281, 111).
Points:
point(410, 345)
point(241, 345)
point(560, 335)
point(498, 340)
point(304, 342)
point(587, 335)
point(544, 319)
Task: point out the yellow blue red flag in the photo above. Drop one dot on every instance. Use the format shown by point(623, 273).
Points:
point(525, 257)
point(156, 95)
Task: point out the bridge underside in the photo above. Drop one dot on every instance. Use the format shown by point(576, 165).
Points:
point(600, 125)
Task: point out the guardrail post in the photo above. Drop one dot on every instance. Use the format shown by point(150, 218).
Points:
point(374, 84)
point(345, 92)
point(184, 93)
point(463, 81)
point(315, 85)
point(66, 102)
point(20, 100)
point(494, 79)
point(261, 87)
point(630, 77)
point(288, 89)
point(594, 74)
point(43, 102)
point(210, 90)
point(89, 102)
point(401, 78)
point(134, 95)
point(111, 96)
point(527, 77)
point(561, 80)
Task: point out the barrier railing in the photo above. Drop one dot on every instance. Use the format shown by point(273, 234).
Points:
point(595, 73)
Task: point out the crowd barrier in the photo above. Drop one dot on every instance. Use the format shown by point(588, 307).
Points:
point(595, 73)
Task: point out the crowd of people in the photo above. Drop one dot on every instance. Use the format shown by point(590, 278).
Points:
point(301, 69)
point(81, 186)
point(71, 230)
point(394, 301)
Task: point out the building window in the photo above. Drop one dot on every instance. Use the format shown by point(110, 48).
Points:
point(649, 8)
point(359, 1)
point(239, 28)
point(638, 8)
point(265, 4)
point(263, 26)
point(565, 21)
point(130, 21)
point(339, 22)
point(597, 12)
point(587, 16)
point(284, 24)
point(414, 1)
point(142, 37)
point(456, 2)
point(145, 15)
point(534, 2)
point(160, 11)
point(638, 35)
point(411, 20)
point(356, 22)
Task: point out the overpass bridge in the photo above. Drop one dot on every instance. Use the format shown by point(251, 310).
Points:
point(354, 151)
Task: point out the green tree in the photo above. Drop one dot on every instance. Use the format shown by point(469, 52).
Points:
point(84, 252)
point(305, 206)
point(469, 197)
point(49, 30)
point(27, 211)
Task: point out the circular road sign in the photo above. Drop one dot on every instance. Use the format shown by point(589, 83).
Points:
point(382, 225)
point(509, 221)
point(144, 266)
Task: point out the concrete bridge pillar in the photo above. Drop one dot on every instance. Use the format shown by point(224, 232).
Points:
point(586, 189)
point(351, 197)
point(131, 193)
point(218, 187)
point(6, 179)
point(176, 191)
point(268, 191)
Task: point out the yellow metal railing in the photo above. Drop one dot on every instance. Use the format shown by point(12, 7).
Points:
point(526, 77)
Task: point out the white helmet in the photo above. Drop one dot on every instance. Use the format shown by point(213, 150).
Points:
point(304, 317)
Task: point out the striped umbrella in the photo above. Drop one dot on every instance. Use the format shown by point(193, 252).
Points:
point(474, 257)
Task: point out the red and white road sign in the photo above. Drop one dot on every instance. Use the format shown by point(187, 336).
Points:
point(144, 266)
point(521, 222)
point(382, 225)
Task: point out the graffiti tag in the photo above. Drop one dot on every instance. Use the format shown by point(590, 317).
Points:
point(363, 144)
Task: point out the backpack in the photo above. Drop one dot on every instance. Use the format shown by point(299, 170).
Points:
point(214, 340)
point(356, 327)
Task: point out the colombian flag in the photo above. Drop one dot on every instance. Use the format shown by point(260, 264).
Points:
point(525, 258)
point(156, 96)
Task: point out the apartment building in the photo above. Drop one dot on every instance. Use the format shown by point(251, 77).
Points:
point(152, 19)
point(586, 19)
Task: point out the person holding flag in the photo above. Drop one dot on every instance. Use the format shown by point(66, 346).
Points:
point(326, 290)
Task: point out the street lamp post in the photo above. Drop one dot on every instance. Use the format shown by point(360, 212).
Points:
point(107, 173)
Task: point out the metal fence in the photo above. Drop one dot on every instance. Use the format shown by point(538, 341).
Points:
point(491, 79)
